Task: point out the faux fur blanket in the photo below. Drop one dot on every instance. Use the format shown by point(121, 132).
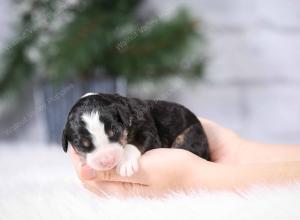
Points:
point(40, 183)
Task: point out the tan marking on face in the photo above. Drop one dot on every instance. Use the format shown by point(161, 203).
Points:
point(123, 139)
point(179, 139)
point(110, 133)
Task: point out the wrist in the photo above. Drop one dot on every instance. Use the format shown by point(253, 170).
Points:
point(256, 152)
point(216, 177)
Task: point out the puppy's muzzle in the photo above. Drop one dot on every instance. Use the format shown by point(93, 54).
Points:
point(105, 159)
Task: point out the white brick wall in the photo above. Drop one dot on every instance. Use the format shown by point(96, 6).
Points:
point(252, 82)
point(255, 55)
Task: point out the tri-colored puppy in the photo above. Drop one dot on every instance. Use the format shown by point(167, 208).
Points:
point(113, 131)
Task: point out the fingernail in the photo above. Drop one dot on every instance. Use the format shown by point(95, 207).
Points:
point(88, 173)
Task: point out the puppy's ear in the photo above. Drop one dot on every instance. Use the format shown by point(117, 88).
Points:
point(64, 141)
point(124, 115)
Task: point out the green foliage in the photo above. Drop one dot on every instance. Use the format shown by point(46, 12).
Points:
point(106, 35)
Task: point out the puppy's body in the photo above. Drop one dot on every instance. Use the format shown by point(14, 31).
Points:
point(98, 123)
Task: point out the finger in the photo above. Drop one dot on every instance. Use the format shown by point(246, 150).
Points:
point(118, 189)
point(75, 160)
point(83, 171)
point(207, 123)
point(139, 177)
point(212, 127)
point(87, 173)
point(204, 120)
point(97, 189)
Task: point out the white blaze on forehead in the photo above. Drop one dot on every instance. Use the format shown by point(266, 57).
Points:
point(88, 94)
point(96, 128)
point(104, 149)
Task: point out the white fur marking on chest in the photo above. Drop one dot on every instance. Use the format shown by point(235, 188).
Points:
point(96, 129)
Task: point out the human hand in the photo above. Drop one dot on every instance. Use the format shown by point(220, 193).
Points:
point(160, 171)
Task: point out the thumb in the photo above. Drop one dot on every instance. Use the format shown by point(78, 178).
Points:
point(83, 171)
point(87, 173)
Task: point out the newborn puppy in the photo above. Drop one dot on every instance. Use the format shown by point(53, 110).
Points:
point(113, 131)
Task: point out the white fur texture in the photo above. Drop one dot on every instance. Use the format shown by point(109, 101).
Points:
point(39, 183)
point(96, 129)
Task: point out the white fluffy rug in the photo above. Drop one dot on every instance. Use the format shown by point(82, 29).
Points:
point(39, 183)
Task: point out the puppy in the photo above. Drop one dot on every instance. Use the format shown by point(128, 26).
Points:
point(111, 131)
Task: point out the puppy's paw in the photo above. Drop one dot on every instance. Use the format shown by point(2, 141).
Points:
point(129, 163)
point(127, 167)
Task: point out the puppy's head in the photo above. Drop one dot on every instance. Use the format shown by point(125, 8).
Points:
point(96, 128)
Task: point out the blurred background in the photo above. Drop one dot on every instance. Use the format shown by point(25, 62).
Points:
point(235, 62)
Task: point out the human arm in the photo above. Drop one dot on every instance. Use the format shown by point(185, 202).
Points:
point(241, 177)
point(228, 147)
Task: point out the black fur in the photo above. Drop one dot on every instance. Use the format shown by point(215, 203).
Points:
point(150, 124)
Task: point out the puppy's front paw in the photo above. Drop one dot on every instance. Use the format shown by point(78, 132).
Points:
point(129, 163)
point(128, 167)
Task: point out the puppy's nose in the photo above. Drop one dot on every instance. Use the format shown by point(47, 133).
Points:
point(107, 161)
point(105, 158)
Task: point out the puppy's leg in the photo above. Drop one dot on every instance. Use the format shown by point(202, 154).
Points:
point(194, 140)
point(142, 140)
point(129, 163)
